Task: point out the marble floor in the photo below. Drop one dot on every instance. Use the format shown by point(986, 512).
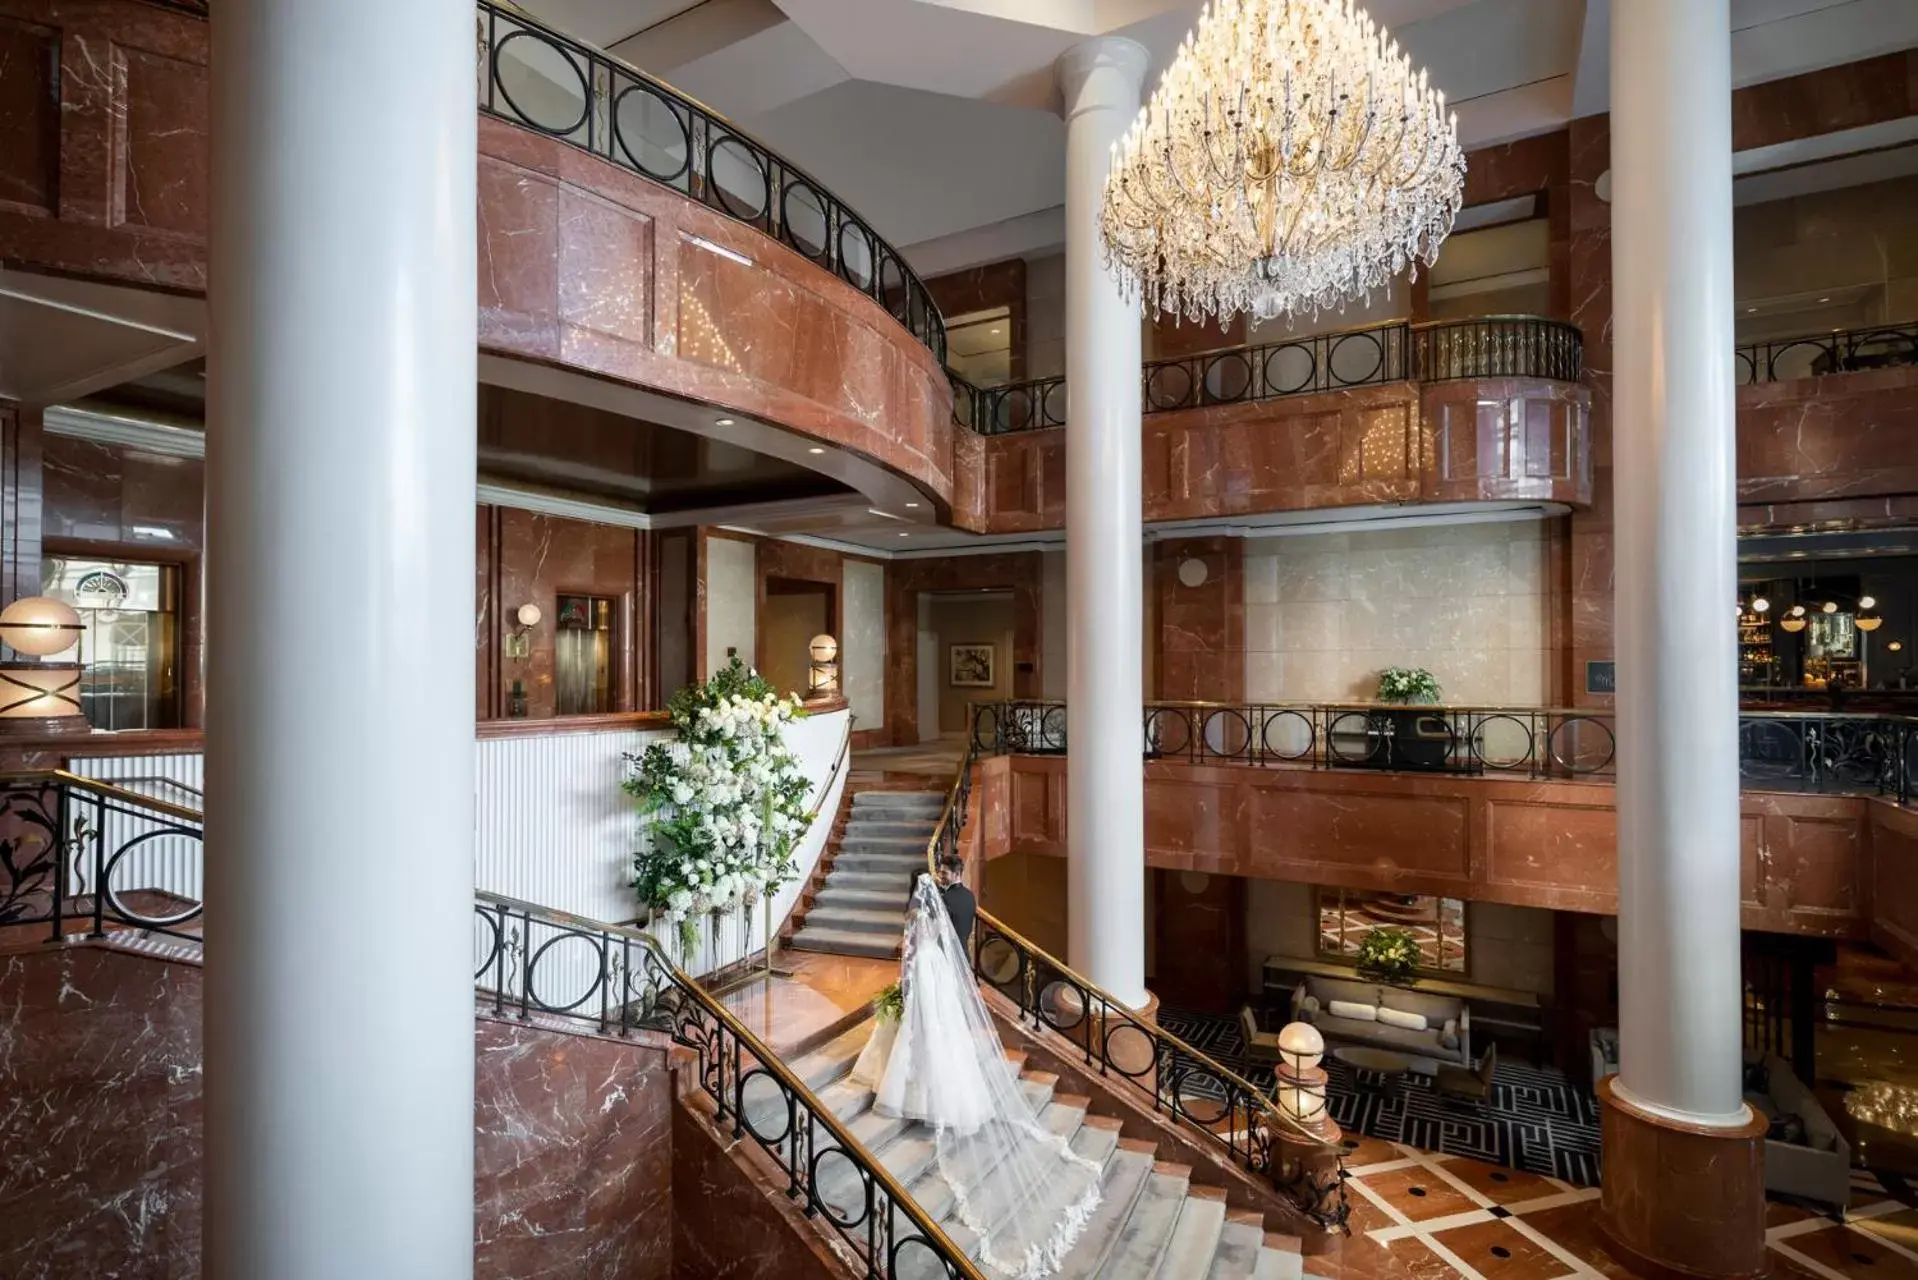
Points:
point(937, 760)
point(815, 992)
point(1438, 1217)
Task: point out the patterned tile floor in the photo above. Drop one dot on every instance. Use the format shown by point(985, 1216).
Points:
point(1440, 1216)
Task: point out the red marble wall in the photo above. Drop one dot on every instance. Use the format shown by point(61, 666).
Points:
point(529, 558)
point(997, 284)
point(581, 263)
point(1015, 571)
point(1806, 861)
point(730, 1214)
point(573, 1132)
point(1894, 889)
point(21, 490)
point(1200, 655)
point(1464, 441)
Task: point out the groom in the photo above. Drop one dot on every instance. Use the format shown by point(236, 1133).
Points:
point(961, 905)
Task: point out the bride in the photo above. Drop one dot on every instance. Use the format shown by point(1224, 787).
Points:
point(1016, 1185)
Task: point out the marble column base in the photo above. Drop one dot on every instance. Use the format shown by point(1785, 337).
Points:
point(1127, 1048)
point(1681, 1200)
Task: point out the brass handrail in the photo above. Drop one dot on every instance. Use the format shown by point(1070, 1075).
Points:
point(1588, 713)
point(770, 1061)
point(1225, 1074)
point(112, 792)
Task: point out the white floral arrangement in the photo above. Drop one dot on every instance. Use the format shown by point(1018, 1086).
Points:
point(1408, 684)
point(722, 806)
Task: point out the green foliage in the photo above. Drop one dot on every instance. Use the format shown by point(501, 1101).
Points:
point(1408, 684)
point(891, 1004)
point(1388, 954)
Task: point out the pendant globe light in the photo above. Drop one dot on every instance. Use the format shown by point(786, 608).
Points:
point(1290, 160)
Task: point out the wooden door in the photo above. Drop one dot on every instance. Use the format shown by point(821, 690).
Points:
point(1199, 922)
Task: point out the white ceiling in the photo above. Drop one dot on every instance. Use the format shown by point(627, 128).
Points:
point(935, 118)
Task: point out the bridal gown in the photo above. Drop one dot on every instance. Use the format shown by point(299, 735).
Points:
point(1016, 1185)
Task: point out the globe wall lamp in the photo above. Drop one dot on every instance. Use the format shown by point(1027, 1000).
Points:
point(822, 677)
point(46, 694)
point(1300, 1091)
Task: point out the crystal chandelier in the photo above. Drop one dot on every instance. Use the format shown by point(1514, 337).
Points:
point(1290, 160)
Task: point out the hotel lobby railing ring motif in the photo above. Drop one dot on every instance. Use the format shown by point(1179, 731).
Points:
point(1486, 347)
point(1777, 750)
point(1210, 1102)
point(534, 76)
point(1818, 354)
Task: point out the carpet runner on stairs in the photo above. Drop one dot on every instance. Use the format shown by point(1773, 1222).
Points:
point(1152, 1223)
point(860, 909)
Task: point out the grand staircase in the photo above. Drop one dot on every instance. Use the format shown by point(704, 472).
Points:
point(1152, 1223)
point(859, 909)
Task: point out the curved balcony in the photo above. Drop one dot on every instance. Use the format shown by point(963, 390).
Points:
point(534, 76)
point(1482, 410)
point(637, 253)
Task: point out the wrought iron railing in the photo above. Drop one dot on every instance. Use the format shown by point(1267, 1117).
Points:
point(1778, 750)
point(79, 855)
point(1817, 354)
point(619, 980)
point(1489, 347)
point(534, 76)
point(1209, 1101)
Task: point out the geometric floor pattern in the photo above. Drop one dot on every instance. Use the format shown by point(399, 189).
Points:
point(1439, 1217)
point(1537, 1120)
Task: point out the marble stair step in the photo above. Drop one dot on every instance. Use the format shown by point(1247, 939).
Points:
point(1280, 1259)
point(997, 1197)
point(834, 895)
point(839, 943)
point(886, 920)
point(846, 1100)
point(895, 886)
point(1126, 1172)
point(1148, 1228)
point(1240, 1239)
point(934, 1193)
point(834, 1058)
point(1195, 1238)
point(841, 1187)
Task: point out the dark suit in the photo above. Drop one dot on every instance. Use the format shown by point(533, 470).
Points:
point(963, 908)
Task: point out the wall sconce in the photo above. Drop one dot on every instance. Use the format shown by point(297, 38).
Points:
point(39, 627)
point(1300, 1091)
point(47, 693)
point(822, 680)
point(519, 645)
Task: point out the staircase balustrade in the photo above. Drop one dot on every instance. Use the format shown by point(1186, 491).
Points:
point(1208, 1100)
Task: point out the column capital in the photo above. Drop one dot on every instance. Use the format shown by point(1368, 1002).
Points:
point(1084, 89)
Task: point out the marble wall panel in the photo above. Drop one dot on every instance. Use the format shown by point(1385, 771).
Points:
point(160, 183)
point(1826, 101)
point(1200, 649)
point(29, 117)
point(728, 590)
point(573, 1155)
point(862, 642)
point(1893, 888)
point(534, 559)
point(1017, 571)
point(730, 1214)
point(1808, 862)
point(1843, 436)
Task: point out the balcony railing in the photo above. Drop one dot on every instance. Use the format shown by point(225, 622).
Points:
point(1210, 1103)
point(533, 76)
point(1488, 347)
point(1777, 750)
point(1840, 351)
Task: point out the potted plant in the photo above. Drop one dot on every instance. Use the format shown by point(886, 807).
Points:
point(1390, 955)
point(1408, 685)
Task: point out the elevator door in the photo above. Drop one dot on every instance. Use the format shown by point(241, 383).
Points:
point(129, 648)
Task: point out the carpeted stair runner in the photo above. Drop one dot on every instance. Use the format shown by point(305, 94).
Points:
point(860, 908)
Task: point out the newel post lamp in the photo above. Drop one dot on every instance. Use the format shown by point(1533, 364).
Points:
point(1308, 1149)
point(1300, 1091)
point(822, 679)
point(40, 696)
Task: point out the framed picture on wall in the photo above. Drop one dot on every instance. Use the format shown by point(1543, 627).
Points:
point(970, 666)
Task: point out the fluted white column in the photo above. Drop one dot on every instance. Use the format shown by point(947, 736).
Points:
point(1676, 578)
point(340, 472)
point(1105, 819)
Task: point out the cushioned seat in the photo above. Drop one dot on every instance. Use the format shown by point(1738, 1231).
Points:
point(1311, 998)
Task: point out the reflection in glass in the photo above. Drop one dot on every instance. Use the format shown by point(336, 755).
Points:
point(128, 651)
point(583, 656)
point(1346, 916)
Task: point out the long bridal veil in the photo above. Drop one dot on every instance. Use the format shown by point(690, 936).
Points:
point(1018, 1187)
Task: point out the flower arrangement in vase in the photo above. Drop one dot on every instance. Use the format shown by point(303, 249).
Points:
point(1389, 955)
point(722, 805)
point(1408, 684)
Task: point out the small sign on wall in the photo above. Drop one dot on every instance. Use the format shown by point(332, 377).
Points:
point(1601, 677)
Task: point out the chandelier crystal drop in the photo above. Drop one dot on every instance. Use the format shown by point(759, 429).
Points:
point(1290, 160)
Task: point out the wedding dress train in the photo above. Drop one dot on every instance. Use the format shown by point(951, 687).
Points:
point(1017, 1186)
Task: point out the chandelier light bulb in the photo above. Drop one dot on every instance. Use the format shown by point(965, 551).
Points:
point(1291, 160)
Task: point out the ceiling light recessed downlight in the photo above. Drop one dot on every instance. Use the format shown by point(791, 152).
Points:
point(815, 450)
point(722, 422)
point(911, 505)
point(905, 535)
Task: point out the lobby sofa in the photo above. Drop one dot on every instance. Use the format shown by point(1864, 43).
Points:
point(1805, 1155)
point(1446, 1038)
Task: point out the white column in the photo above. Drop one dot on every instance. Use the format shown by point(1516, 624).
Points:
point(340, 472)
point(1105, 784)
point(1676, 580)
